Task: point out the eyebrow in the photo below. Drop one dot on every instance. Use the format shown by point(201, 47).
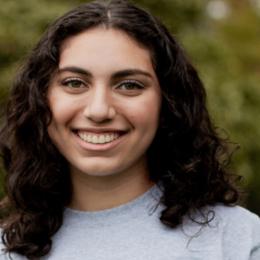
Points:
point(75, 70)
point(116, 75)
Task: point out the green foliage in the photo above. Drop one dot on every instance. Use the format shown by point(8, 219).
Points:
point(228, 55)
point(226, 52)
point(21, 24)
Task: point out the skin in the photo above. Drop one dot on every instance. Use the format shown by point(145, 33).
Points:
point(104, 86)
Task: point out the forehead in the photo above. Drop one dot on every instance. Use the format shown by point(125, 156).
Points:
point(106, 49)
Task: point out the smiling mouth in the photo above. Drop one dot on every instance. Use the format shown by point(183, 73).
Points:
point(99, 138)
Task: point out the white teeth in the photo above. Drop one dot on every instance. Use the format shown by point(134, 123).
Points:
point(101, 139)
point(98, 138)
point(95, 139)
point(107, 138)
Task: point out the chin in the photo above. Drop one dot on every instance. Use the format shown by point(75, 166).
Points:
point(97, 170)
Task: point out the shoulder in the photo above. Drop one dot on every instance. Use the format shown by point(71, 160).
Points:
point(237, 218)
point(217, 232)
point(232, 212)
point(231, 217)
point(232, 232)
point(229, 220)
point(240, 230)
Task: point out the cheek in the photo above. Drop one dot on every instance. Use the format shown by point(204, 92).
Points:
point(150, 108)
point(144, 113)
point(62, 109)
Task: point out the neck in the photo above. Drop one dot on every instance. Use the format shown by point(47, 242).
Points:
point(93, 193)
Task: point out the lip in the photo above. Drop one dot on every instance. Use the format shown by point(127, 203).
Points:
point(100, 130)
point(99, 147)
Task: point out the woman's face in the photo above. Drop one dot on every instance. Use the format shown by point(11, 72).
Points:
point(105, 100)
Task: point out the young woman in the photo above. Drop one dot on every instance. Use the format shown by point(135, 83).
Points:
point(109, 150)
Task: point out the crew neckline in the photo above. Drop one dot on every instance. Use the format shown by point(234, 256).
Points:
point(146, 203)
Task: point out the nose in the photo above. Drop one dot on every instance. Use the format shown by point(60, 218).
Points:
point(99, 107)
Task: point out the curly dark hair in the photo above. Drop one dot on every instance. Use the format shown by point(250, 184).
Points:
point(187, 158)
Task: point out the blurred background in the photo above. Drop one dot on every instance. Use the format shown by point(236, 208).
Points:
point(222, 38)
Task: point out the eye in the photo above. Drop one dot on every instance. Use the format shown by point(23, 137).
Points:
point(130, 85)
point(73, 83)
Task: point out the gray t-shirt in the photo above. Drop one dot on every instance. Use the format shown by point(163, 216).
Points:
point(134, 231)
